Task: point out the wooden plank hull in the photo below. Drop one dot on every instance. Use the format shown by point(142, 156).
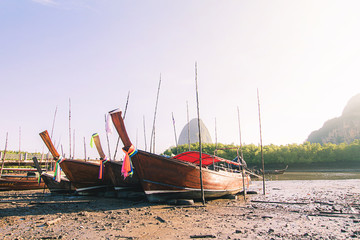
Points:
point(64, 186)
point(20, 183)
point(165, 178)
point(85, 175)
point(114, 171)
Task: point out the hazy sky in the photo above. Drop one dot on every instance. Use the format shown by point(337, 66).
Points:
point(304, 57)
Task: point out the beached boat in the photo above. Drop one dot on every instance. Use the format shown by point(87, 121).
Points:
point(164, 178)
point(113, 170)
point(120, 183)
point(85, 175)
point(28, 181)
point(60, 185)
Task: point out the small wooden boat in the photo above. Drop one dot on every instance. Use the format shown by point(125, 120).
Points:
point(85, 175)
point(20, 182)
point(63, 185)
point(113, 170)
point(164, 178)
point(275, 171)
point(119, 182)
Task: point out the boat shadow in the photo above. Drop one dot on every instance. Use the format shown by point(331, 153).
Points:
point(32, 204)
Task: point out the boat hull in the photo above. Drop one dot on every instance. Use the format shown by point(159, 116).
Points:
point(21, 182)
point(129, 183)
point(165, 178)
point(64, 186)
point(85, 175)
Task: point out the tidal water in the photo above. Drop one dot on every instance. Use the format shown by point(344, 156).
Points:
point(314, 176)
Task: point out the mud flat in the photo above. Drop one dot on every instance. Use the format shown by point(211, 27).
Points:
point(310, 209)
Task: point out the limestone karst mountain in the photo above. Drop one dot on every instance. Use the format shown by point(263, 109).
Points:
point(194, 133)
point(345, 128)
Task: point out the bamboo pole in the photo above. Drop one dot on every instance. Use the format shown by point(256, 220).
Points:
point(173, 119)
point(85, 149)
point(107, 138)
point(188, 121)
point(3, 158)
point(242, 168)
point(152, 139)
point(52, 129)
point(69, 128)
point(118, 140)
point(144, 132)
point(73, 156)
point(19, 145)
point(261, 145)
point(200, 145)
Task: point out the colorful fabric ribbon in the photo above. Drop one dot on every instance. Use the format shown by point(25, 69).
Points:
point(101, 170)
point(127, 168)
point(57, 170)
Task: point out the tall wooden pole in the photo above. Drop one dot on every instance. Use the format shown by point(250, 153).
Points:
point(144, 132)
point(173, 119)
point(73, 156)
point(85, 149)
point(3, 158)
point(152, 139)
point(52, 129)
point(69, 128)
point(242, 156)
point(107, 138)
point(216, 142)
point(188, 121)
point(261, 145)
point(118, 140)
point(200, 145)
point(19, 145)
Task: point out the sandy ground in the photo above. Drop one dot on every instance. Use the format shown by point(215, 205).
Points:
point(323, 209)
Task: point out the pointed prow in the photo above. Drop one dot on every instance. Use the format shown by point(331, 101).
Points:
point(120, 127)
point(47, 140)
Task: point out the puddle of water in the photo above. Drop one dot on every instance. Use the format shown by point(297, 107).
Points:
point(314, 176)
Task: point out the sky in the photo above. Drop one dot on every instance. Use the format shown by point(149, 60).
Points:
point(302, 56)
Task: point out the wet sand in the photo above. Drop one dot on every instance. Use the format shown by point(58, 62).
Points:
point(310, 209)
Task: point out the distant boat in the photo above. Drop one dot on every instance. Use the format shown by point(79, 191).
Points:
point(164, 178)
point(20, 182)
point(275, 171)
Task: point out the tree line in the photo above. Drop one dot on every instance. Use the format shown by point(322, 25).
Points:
point(306, 153)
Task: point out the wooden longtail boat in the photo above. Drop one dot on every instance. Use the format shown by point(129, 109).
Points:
point(164, 178)
point(113, 170)
point(20, 182)
point(85, 175)
point(62, 186)
point(119, 182)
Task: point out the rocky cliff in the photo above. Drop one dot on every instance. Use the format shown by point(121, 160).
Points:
point(345, 128)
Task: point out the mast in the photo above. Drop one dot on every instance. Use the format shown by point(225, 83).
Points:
point(262, 156)
point(200, 145)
